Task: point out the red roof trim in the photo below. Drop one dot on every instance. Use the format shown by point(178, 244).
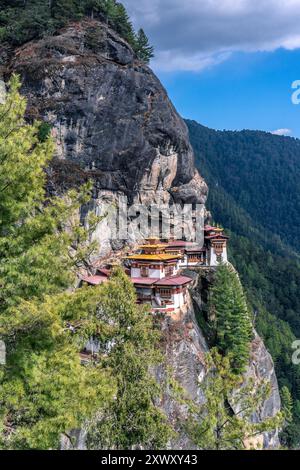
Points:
point(104, 271)
point(146, 281)
point(94, 280)
point(174, 281)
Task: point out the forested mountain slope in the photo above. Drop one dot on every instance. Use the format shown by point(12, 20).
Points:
point(261, 171)
point(255, 193)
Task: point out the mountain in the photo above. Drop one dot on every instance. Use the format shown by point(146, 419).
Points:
point(110, 115)
point(254, 186)
point(259, 170)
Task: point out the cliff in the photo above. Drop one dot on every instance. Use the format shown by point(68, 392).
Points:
point(185, 351)
point(111, 117)
point(185, 346)
point(114, 124)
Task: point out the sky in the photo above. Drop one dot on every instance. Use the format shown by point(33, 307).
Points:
point(228, 64)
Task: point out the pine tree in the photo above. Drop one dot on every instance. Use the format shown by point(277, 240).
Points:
point(44, 390)
point(108, 9)
point(230, 317)
point(133, 419)
point(63, 10)
point(123, 24)
point(144, 50)
point(21, 22)
point(287, 404)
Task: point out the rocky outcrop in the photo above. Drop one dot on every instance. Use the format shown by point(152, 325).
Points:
point(111, 117)
point(261, 368)
point(185, 349)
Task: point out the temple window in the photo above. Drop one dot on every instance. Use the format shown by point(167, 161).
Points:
point(144, 271)
point(165, 293)
point(169, 270)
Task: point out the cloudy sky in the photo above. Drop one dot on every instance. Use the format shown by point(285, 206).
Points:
point(237, 55)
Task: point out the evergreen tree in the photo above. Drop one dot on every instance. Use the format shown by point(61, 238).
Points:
point(44, 390)
point(62, 10)
point(289, 436)
point(287, 404)
point(144, 50)
point(123, 25)
point(133, 419)
point(23, 21)
point(107, 8)
point(230, 317)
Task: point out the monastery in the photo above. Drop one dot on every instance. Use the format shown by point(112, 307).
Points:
point(156, 268)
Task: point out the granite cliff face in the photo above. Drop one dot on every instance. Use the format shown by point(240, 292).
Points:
point(111, 117)
point(184, 346)
point(114, 124)
point(185, 349)
point(110, 114)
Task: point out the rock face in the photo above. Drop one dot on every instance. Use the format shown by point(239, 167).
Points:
point(110, 114)
point(112, 120)
point(185, 349)
point(261, 368)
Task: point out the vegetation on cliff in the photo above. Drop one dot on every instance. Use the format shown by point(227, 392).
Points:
point(132, 419)
point(23, 21)
point(45, 391)
point(225, 420)
point(248, 174)
point(260, 172)
point(230, 318)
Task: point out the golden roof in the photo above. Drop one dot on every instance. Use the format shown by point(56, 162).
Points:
point(157, 257)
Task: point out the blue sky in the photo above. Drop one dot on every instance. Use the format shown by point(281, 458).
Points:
point(229, 64)
point(247, 91)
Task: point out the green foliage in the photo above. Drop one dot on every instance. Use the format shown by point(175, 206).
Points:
point(287, 404)
point(230, 317)
point(224, 421)
point(132, 419)
point(290, 437)
point(144, 51)
point(44, 131)
point(64, 10)
point(248, 173)
point(255, 169)
point(23, 21)
point(44, 390)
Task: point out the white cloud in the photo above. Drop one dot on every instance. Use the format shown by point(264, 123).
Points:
point(194, 34)
point(167, 61)
point(285, 132)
